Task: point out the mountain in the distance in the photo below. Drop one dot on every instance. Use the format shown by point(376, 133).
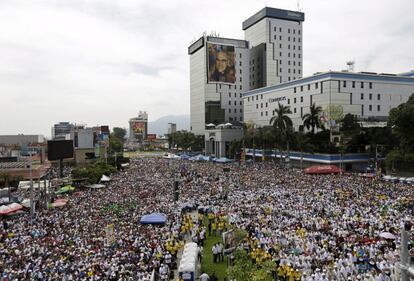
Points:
point(160, 126)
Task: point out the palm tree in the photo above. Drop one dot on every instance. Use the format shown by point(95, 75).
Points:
point(281, 122)
point(312, 120)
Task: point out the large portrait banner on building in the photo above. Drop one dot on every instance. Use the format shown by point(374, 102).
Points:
point(138, 127)
point(221, 64)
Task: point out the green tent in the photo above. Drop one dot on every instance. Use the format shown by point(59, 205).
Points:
point(64, 189)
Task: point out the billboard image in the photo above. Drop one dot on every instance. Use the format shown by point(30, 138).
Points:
point(221, 63)
point(138, 127)
point(59, 149)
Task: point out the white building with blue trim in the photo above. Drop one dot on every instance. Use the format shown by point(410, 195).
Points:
point(369, 96)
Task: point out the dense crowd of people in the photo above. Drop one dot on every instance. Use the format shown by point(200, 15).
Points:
point(314, 227)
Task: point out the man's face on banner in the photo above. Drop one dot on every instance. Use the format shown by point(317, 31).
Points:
point(221, 61)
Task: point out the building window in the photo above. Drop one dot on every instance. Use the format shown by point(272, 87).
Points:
point(289, 62)
point(274, 37)
point(240, 79)
point(241, 102)
point(261, 105)
point(301, 88)
point(294, 89)
point(280, 46)
point(308, 87)
point(289, 55)
point(257, 97)
point(235, 110)
point(229, 95)
point(370, 107)
point(266, 105)
point(261, 96)
point(289, 70)
point(235, 95)
point(241, 88)
point(344, 84)
point(261, 113)
point(280, 29)
point(241, 110)
point(316, 85)
point(280, 70)
point(229, 110)
point(288, 30)
point(288, 101)
point(294, 110)
point(280, 54)
point(229, 87)
point(294, 31)
point(280, 38)
point(240, 63)
point(240, 71)
point(362, 96)
point(289, 77)
point(257, 106)
point(370, 96)
point(299, 71)
point(301, 99)
point(378, 97)
point(235, 102)
point(248, 99)
point(266, 113)
point(353, 84)
point(229, 102)
point(362, 85)
point(289, 47)
point(370, 85)
point(294, 100)
point(378, 107)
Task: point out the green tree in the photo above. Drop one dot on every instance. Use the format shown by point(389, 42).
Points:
point(312, 120)
point(119, 133)
point(115, 144)
point(282, 125)
point(349, 123)
point(401, 120)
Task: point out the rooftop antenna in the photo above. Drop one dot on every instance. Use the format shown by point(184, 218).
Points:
point(350, 65)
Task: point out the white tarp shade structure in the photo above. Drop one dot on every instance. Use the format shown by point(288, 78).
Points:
point(188, 268)
point(8, 209)
point(171, 156)
point(96, 186)
point(105, 178)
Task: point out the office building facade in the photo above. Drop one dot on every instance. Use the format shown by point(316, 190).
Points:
point(369, 96)
point(276, 46)
point(216, 97)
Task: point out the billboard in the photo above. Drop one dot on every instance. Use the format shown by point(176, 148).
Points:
point(221, 63)
point(59, 149)
point(151, 137)
point(138, 127)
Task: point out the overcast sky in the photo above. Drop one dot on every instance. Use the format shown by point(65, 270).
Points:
point(100, 62)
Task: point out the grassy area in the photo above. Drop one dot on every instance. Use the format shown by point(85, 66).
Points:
point(207, 264)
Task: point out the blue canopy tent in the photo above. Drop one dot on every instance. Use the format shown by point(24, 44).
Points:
point(185, 156)
point(154, 218)
point(223, 160)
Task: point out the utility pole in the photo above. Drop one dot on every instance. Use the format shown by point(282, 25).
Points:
point(31, 189)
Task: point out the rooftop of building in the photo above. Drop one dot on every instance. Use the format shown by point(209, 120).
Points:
point(366, 76)
point(273, 13)
point(195, 46)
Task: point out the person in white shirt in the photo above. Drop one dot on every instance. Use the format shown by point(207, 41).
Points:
point(204, 277)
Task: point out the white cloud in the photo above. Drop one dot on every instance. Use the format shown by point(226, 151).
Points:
point(99, 62)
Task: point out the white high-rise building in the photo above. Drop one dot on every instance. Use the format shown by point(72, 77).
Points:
point(219, 74)
point(276, 46)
